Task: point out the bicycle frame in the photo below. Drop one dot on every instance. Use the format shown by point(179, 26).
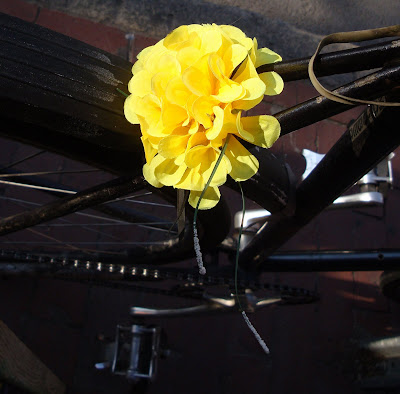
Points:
point(367, 141)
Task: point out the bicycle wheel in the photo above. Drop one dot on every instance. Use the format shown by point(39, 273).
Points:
point(59, 95)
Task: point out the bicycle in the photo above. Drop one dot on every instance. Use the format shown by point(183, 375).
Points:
point(76, 111)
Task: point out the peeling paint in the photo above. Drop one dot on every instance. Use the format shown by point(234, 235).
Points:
point(99, 56)
point(365, 81)
point(105, 75)
point(395, 44)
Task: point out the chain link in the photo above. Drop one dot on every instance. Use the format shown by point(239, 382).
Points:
point(127, 271)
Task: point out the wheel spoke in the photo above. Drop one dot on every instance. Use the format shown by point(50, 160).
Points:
point(133, 199)
point(102, 224)
point(112, 222)
point(22, 160)
point(56, 242)
point(70, 204)
point(46, 173)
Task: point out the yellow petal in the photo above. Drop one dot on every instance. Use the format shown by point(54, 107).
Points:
point(189, 104)
point(198, 138)
point(245, 71)
point(227, 42)
point(156, 131)
point(244, 164)
point(148, 106)
point(238, 36)
point(193, 127)
point(211, 41)
point(217, 125)
point(167, 172)
point(228, 90)
point(203, 111)
point(137, 67)
point(152, 59)
point(163, 61)
point(173, 115)
point(160, 81)
point(148, 173)
point(273, 82)
point(176, 92)
point(217, 66)
point(219, 177)
point(154, 141)
point(191, 180)
point(197, 82)
point(140, 83)
point(182, 38)
point(145, 53)
point(130, 110)
point(227, 164)
point(188, 56)
point(143, 56)
point(253, 51)
point(210, 198)
point(149, 151)
point(224, 123)
point(234, 55)
point(255, 89)
point(200, 154)
point(176, 37)
point(173, 145)
point(229, 93)
point(203, 159)
point(148, 111)
point(260, 130)
point(180, 160)
point(266, 56)
point(168, 62)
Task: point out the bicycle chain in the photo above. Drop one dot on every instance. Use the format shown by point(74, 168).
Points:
point(128, 271)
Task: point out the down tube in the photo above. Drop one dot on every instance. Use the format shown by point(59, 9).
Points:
point(367, 141)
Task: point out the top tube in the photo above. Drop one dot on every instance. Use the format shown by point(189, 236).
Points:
point(339, 62)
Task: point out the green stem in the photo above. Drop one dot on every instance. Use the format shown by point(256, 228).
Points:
point(246, 319)
point(238, 248)
point(196, 240)
point(123, 93)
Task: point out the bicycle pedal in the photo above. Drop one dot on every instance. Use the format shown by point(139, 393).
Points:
point(134, 353)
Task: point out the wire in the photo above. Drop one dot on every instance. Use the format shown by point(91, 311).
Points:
point(196, 241)
point(245, 317)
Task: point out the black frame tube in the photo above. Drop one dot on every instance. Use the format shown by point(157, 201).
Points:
point(340, 62)
point(318, 108)
point(328, 261)
point(367, 141)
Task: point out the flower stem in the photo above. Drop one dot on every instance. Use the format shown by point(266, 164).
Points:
point(121, 92)
point(246, 319)
point(197, 249)
point(238, 248)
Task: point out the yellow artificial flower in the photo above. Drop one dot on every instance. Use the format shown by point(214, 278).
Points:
point(188, 93)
